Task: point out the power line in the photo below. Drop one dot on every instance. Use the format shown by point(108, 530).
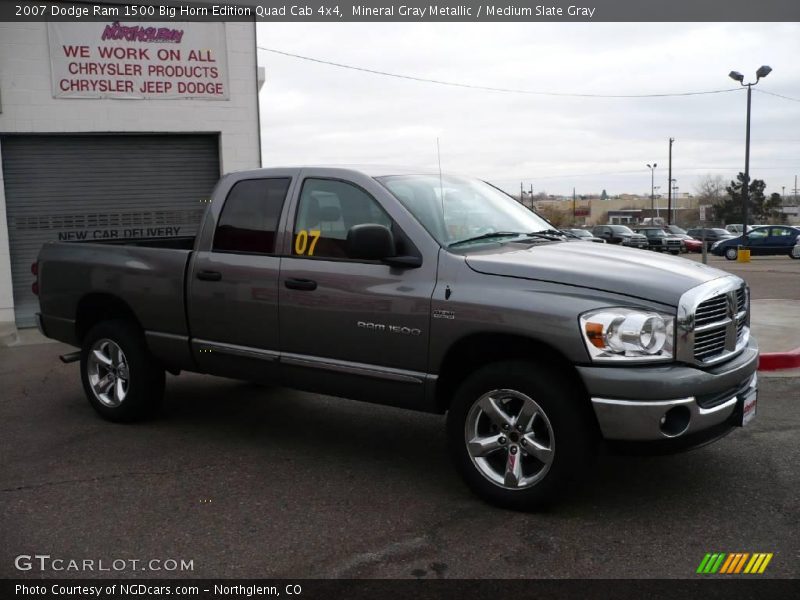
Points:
point(778, 95)
point(488, 88)
point(633, 171)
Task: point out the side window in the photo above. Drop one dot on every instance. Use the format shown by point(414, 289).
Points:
point(781, 232)
point(326, 212)
point(758, 234)
point(250, 216)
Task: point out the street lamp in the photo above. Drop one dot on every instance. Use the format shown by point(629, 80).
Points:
point(652, 194)
point(762, 72)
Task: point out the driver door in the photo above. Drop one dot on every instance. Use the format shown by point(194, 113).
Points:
point(354, 328)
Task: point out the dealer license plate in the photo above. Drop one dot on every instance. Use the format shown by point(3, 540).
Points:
point(749, 406)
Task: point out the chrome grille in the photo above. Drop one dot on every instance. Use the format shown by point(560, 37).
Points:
point(719, 324)
point(710, 342)
point(711, 311)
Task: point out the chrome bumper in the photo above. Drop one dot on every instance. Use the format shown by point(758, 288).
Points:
point(635, 420)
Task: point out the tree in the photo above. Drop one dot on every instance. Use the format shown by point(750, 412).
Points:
point(556, 216)
point(604, 196)
point(773, 211)
point(709, 189)
point(759, 209)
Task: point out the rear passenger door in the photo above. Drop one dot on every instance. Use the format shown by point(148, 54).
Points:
point(233, 287)
point(781, 240)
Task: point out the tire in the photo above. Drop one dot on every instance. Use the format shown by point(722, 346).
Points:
point(489, 403)
point(731, 253)
point(115, 353)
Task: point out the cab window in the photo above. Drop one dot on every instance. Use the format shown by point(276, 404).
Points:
point(250, 216)
point(325, 213)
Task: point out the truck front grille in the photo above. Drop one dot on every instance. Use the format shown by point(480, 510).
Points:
point(719, 323)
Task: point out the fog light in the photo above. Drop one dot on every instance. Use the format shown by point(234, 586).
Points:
point(675, 421)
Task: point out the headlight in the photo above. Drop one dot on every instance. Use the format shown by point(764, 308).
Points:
point(614, 334)
point(715, 244)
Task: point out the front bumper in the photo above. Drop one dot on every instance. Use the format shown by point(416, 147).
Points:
point(635, 243)
point(671, 402)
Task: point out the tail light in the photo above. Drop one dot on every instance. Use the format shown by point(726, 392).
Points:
point(35, 273)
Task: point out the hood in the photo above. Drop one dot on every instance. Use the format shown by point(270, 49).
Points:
point(604, 267)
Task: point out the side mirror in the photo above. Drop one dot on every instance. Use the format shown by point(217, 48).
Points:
point(370, 241)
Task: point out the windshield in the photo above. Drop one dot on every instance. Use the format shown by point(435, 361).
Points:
point(581, 232)
point(622, 229)
point(676, 230)
point(470, 207)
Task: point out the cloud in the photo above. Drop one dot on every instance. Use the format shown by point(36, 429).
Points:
point(314, 113)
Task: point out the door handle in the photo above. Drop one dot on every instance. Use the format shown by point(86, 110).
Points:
point(209, 275)
point(307, 285)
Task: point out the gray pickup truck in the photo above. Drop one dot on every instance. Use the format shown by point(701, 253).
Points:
point(424, 291)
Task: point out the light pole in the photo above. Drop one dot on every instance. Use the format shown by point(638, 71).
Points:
point(675, 201)
point(762, 72)
point(652, 180)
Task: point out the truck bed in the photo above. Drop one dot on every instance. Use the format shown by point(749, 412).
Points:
point(147, 275)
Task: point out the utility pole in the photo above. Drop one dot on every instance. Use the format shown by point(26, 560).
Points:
point(574, 218)
point(795, 188)
point(521, 194)
point(669, 190)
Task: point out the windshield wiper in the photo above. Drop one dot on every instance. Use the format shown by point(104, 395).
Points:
point(548, 234)
point(487, 236)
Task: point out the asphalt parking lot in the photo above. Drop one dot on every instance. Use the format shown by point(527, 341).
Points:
point(247, 481)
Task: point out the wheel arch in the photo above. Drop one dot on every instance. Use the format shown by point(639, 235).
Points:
point(475, 350)
point(95, 308)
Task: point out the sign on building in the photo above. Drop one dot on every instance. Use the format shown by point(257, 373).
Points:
point(150, 60)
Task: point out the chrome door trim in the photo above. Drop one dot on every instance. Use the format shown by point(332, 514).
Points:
point(352, 368)
point(234, 350)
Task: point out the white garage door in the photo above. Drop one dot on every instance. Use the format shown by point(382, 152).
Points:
point(95, 187)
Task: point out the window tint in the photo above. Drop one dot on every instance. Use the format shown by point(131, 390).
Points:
point(781, 232)
point(326, 212)
point(249, 218)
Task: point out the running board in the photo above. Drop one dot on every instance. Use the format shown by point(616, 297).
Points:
point(71, 357)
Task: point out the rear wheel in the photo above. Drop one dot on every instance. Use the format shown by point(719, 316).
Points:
point(519, 435)
point(121, 379)
point(731, 253)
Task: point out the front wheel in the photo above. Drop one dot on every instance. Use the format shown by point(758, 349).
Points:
point(121, 379)
point(519, 435)
point(731, 253)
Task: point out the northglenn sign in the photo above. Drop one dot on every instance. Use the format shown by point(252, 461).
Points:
point(156, 60)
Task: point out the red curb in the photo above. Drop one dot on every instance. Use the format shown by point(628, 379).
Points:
point(776, 361)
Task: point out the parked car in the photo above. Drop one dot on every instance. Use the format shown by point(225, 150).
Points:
point(674, 229)
point(583, 235)
point(736, 228)
point(689, 243)
point(620, 234)
point(692, 245)
point(711, 235)
point(659, 240)
point(364, 284)
point(796, 250)
point(769, 240)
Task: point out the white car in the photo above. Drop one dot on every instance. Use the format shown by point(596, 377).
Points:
point(796, 250)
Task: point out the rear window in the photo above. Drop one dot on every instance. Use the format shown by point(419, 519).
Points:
point(250, 216)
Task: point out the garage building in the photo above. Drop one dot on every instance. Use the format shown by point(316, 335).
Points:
point(114, 130)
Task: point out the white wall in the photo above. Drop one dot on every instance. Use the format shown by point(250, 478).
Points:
point(28, 106)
